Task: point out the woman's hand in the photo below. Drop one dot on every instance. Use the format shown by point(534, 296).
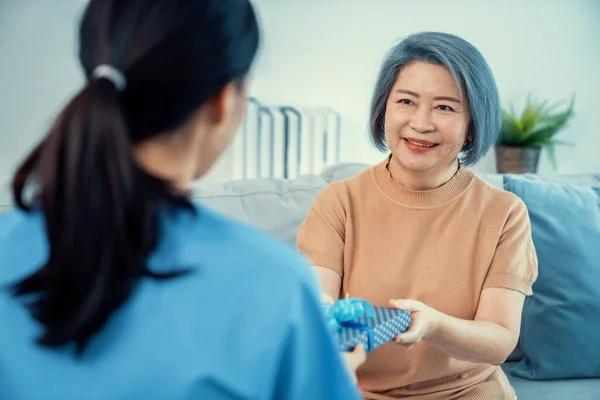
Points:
point(423, 321)
point(355, 359)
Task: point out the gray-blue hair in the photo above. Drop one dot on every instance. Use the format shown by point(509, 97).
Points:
point(473, 78)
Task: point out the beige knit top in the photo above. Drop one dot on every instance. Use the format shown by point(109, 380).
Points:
point(441, 247)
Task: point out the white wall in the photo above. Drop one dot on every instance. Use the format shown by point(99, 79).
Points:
point(38, 72)
point(326, 52)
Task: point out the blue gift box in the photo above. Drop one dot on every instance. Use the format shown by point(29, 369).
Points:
point(355, 322)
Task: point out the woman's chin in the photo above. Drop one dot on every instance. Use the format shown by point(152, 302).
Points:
point(418, 167)
point(415, 162)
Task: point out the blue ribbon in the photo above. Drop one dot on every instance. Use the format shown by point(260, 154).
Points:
point(345, 312)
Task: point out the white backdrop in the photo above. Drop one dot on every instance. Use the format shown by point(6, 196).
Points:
point(326, 53)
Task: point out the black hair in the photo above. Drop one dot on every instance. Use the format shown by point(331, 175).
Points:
point(101, 209)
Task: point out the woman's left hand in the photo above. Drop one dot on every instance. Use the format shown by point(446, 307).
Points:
point(423, 321)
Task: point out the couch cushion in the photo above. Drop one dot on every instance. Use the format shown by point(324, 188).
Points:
point(560, 330)
point(277, 206)
point(563, 389)
point(566, 179)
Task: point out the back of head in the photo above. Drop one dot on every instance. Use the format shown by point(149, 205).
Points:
point(165, 59)
point(473, 77)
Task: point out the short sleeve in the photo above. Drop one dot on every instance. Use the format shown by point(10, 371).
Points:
point(311, 366)
point(514, 264)
point(321, 235)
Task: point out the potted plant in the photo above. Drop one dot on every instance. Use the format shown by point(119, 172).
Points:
point(522, 137)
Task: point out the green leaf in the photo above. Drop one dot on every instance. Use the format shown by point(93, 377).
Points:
point(509, 131)
point(536, 126)
point(532, 115)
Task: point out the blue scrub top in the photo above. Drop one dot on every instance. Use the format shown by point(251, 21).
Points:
point(246, 324)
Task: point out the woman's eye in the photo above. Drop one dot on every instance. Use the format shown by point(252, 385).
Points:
point(405, 101)
point(445, 108)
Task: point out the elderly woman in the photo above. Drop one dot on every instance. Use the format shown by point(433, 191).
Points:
point(420, 231)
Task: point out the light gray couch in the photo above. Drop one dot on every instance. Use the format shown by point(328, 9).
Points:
point(278, 206)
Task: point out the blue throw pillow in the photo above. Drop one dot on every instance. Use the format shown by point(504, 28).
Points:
point(560, 331)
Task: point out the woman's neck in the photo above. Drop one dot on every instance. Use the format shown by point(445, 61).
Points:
point(177, 157)
point(421, 180)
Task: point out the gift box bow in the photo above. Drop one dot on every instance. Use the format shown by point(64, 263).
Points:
point(355, 320)
point(345, 311)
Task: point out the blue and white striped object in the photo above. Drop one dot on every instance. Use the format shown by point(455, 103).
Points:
point(373, 332)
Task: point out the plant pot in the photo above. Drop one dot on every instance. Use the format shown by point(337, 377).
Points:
point(517, 160)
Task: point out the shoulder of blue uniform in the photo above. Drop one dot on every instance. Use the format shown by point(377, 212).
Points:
point(254, 243)
point(11, 220)
point(20, 232)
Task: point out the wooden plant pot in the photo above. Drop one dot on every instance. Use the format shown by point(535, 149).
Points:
point(517, 160)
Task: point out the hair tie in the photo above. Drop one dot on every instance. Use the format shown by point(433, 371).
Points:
point(112, 74)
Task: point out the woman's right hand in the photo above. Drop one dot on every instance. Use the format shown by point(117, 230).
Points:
point(355, 359)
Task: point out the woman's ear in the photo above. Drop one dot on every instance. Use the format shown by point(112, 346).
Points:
point(222, 105)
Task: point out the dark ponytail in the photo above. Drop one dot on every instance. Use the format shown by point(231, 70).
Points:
point(101, 217)
point(102, 211)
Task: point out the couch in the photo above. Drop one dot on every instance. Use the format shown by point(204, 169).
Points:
point(278, 206)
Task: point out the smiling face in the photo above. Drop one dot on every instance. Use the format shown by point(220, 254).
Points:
point(425, 122)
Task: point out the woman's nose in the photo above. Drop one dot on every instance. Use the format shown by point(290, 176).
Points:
point(421, 120)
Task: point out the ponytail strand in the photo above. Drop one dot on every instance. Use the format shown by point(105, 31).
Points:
point(100, 212)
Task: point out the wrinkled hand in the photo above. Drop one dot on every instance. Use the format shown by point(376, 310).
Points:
point(355, 359)
point(423, 321)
